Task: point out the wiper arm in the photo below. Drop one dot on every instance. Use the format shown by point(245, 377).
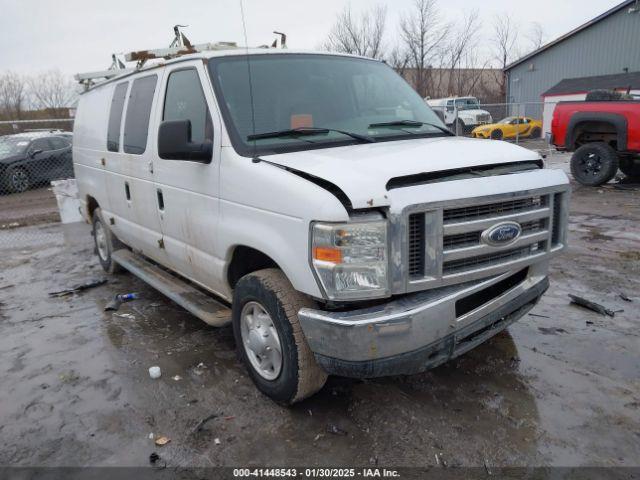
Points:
point(298, 132)
point(411, 123)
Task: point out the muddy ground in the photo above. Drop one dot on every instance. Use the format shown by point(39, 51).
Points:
point(559, 388)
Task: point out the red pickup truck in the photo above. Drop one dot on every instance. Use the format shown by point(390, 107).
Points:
point(604, 136)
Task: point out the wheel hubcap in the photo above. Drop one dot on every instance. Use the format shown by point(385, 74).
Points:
point(260, 340)
point(19, 180)
point(591, 164)
point(101, 241)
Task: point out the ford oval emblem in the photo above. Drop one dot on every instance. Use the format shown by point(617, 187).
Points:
point(502, 234)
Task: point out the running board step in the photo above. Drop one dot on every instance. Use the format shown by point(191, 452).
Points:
point(184, 294)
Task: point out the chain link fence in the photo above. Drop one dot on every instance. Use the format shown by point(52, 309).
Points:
point(35, 163)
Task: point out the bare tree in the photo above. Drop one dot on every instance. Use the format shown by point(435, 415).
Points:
point(359, 35)
point(398, 60)
point(505, 50)
point(459, 56)
point(422, 33)
point(52, 91)
point(536, 36)
point(13, 95)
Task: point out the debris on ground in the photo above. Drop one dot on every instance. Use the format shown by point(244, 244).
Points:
point(216, 441)
point(155, 372)
point(162, 441)
point(154, 460)
point(538, 315)
point(624, 297)
point(118, 300)
point(204, 421)
point(551, 330)
point(130, 316)
point(594, 307)
point(177, 378)
point(335, 430)
point(79, 288)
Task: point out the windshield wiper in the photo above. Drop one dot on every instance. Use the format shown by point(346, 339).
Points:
point(411, 123)
point(297, 132)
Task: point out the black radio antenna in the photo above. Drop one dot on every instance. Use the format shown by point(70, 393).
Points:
point(253, 110)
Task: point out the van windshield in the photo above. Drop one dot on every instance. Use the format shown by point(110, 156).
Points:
point(326, 98)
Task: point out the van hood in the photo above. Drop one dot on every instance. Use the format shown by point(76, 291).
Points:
point(362, 171)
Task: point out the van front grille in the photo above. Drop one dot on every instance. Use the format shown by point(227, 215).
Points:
point(459, 248)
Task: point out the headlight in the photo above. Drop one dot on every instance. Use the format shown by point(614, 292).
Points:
point(350, 259)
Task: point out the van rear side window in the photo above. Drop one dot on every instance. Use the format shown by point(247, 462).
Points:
point(136, 125)
point(115, 117)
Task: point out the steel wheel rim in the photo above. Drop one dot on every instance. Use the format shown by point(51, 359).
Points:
point(19, 180)
point(260, 340)
point(592, 164)
point(101, 241)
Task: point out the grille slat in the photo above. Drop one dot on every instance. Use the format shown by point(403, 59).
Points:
point(416, 244)
point(472, 263)
point(476, 212)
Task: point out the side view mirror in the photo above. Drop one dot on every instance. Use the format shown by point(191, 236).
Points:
point(174, 143)
point(33, 153)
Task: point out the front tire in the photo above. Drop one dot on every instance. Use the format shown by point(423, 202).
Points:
point(535, 132)
point(496, 134)
point(631, 167)
point(269, 338)
point(105, 243)
point(593, 164)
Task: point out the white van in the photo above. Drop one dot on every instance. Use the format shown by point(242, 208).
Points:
point(320, 198)
point(461, 113)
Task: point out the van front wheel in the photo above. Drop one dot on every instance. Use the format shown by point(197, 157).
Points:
point(106, 243)
point(269, 338)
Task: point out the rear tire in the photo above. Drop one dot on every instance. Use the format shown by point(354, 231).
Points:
point(535, 132)
point(265, 319)
point(17, 180)
point(593, 164)
point(631, 167)
point(496, 134)
point(105, 243)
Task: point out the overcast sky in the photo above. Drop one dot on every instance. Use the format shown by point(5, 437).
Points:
point(80, 35)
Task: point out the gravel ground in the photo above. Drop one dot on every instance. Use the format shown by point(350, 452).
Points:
point(559, 388)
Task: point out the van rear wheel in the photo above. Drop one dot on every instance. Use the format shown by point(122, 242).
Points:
point(105, 243)
point(269, 338)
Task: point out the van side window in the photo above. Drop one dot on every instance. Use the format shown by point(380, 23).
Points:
point(115, 117)
point(136, 125)
point(184, 100)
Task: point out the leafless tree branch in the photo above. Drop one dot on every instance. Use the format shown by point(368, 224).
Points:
point(359, 35)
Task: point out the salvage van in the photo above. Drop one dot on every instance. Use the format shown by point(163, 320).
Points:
point(318, 204)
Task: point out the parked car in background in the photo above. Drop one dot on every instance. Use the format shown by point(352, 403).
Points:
point(603, 132)
point(461, 114)
point(33, 158)
point(509, 128)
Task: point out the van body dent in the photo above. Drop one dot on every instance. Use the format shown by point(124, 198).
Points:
point(322, 199)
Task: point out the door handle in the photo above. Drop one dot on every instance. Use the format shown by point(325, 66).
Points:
point(160, 199)
point(127, 191)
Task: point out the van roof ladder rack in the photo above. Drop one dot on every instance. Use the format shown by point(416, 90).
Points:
point(180, 45)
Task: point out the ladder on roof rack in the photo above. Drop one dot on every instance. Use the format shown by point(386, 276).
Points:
point(178, 47)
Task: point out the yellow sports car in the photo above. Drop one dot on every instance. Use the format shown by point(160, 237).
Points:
point(508, 128)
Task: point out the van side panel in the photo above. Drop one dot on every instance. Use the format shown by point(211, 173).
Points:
point(89, 145)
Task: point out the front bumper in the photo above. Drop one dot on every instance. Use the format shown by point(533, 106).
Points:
point(418, 331)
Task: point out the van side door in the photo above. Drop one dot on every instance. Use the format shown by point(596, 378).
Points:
point(129, 166)
point(187, 191)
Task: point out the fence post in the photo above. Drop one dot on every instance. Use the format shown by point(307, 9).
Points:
point(518, 116)
point(455, 121)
